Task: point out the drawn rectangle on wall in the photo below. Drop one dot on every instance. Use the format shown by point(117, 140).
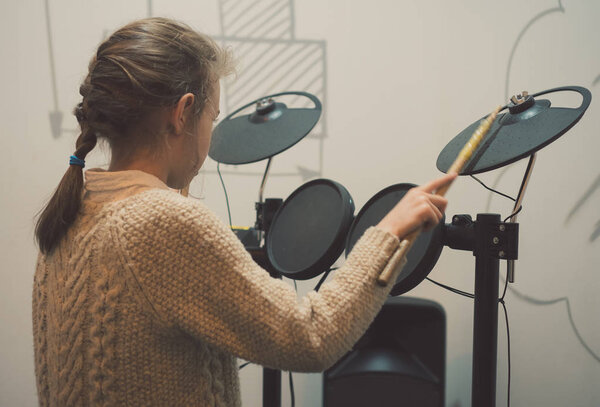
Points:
point(269, 66)
point(257, 19)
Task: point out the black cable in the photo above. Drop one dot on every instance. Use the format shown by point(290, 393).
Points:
point(454, 290)
point(491, 189)
point(512, 215)
point(243, 365)
point(508, 351)
point(501, 301)
point(322, 280)
point(293, 398)
point(226, 197)
point(505, 285)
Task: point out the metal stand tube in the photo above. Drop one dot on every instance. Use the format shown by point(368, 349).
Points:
point(271, 387)
point(485, 326)
point(271, 377)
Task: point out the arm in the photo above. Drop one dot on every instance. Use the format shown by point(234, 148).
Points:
point(198, 277)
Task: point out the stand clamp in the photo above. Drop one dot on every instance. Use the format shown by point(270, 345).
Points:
point(498, 240)
point(265, 211)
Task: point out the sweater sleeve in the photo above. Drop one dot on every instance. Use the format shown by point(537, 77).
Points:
point(198, 277)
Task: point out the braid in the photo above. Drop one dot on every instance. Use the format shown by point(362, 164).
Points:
point(87, 139)
point(63, 207)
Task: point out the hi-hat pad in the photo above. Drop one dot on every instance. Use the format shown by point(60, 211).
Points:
point(425, 251)
point(309, 230)
point(529, 125)
point(271, 129)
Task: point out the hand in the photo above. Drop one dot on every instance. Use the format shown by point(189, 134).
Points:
point(419, 208)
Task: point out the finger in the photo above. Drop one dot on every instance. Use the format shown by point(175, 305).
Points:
point(436, 184)
point(439, 201)
point(431, 217)
point(436, 211)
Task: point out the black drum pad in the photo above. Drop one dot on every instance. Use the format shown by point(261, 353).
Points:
point(425, 251)
point(308, 232)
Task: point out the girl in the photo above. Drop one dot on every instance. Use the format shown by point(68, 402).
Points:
point(143, 297)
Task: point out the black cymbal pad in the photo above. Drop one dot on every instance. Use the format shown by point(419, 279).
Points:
point(516, 133)
point(270, 130)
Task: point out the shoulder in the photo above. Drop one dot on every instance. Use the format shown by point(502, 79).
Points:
point(159, 207)
point(160, 230)
point(163, 216)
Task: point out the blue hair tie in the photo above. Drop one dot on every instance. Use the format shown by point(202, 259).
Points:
point(74, 160)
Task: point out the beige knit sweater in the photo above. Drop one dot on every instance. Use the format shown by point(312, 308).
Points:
point(150, 298)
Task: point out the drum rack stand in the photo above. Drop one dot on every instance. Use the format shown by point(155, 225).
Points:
point(490, 240)
point(488, 237)
point(265, 210)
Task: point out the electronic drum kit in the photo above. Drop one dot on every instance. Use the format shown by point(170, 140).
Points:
point(303, 236)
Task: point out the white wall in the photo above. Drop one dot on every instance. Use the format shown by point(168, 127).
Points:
point(399, 80)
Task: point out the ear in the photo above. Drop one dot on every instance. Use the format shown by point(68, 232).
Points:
point(182, 112)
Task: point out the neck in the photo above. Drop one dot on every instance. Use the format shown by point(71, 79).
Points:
point(154, 166)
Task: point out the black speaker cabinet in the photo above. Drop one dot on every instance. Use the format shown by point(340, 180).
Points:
point(400, 361)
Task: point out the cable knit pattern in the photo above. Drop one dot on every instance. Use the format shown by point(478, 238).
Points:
point(150, 298)
point(102, 373)
point(40, 344)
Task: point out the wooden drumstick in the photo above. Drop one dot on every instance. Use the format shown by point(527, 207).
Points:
point(464, 156)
